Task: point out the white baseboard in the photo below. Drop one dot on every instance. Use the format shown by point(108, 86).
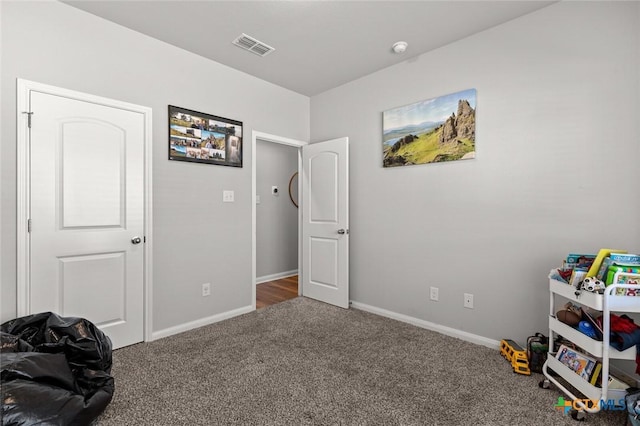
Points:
point(199, 323)
point(463, 335)
point(273, 277)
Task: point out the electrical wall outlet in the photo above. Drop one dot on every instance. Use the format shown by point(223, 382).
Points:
point(433, 295)
point(206, 289)
point(228, 196)
point(468, 300)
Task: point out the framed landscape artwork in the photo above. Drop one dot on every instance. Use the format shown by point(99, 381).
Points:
point(432, 131)
point(203, 138)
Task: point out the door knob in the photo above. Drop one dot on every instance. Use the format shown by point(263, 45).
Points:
point(343, 231)
point(136, 240)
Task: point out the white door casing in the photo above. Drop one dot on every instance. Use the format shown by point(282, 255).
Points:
point(86, 204)
point(325, 221)
point(266, 137)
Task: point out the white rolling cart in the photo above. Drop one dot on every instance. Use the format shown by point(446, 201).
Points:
point(605, 303)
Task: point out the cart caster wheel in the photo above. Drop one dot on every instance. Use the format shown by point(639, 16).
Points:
point(579, 416)
point(544, 384)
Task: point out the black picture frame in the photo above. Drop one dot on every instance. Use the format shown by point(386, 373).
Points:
point(198, 137)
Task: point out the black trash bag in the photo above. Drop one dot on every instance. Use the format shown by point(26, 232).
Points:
point(54, 371)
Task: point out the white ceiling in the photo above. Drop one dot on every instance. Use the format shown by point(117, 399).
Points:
point(319, 44)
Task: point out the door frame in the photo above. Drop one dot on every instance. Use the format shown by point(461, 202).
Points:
point(23, 192)
point(255, 135)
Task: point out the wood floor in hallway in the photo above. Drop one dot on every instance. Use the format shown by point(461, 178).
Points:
point(272, 292)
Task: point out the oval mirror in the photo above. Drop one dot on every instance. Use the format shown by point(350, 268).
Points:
point(293, 189)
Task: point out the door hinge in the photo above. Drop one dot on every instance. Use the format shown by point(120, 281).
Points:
point(29, 225)
point(29, 114)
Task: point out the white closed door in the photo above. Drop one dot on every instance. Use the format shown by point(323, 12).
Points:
point(325, 215)
point(87, 214)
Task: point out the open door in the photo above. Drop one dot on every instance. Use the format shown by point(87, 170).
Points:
point(325, 221)
point(83, 252)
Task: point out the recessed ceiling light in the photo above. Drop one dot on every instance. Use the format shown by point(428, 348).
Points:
point(399, 46)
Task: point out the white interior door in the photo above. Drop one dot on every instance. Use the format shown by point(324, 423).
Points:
point(87, 214)
point(325, 221)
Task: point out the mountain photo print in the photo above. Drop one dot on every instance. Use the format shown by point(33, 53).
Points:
point(431, 131)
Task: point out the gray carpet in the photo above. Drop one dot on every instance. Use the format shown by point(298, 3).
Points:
point(302, 362)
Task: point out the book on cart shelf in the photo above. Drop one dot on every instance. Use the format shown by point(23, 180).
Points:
point(604, 267)
point(595, 376)
point(577, 276)
point(579, 363)
point(579, 261)
point(592, 320)
point(625, 258)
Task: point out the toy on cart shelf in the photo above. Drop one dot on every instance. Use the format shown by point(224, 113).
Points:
point(516, 356)
point(592, 284)
point(570, 314)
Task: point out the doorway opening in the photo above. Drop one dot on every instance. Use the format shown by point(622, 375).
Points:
point(276, 219)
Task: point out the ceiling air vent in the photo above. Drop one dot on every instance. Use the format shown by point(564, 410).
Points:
point(252, 45)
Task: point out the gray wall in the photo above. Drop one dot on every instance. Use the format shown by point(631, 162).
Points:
point(556, 168)
point(276, 216)
point(53, 43)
